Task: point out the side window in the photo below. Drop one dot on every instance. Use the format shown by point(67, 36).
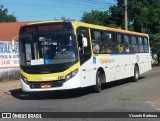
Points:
point(108, 38)
point(96, 36)
point(146, 45)
point(120, 46)
point(127, 46)
point(119, 38)
point(134, 44)
point(140, 43)
point(83, 32)
point(126, 39)
point(96, 39)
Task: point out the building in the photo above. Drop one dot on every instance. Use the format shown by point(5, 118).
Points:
point(9, 55)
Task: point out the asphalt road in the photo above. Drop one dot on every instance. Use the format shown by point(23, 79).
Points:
point(118, 96)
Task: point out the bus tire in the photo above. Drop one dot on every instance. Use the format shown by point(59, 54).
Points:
point(135, 78)
point(97, 87)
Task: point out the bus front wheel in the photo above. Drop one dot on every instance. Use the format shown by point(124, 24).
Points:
point(97, 87)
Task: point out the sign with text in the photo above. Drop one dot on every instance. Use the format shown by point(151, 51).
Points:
point(9, 55)
point(46, 27)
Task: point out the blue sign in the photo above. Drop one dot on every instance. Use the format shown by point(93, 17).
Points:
point(47, 61)
point(94, 60)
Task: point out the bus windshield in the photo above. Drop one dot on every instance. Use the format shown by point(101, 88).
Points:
point(48, 48)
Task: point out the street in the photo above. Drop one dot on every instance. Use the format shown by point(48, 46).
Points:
point(118, 96)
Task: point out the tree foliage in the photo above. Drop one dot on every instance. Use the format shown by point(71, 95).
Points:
point(142, 14)
point(4, 16)
point(98, 18)
point(155, 45)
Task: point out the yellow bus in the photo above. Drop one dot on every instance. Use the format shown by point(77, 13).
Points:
point(61, 55)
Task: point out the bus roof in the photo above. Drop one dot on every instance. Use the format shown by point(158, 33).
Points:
point(92, 26)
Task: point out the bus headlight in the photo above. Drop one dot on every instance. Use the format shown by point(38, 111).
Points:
point(69, 76)
point(24, 79)
point(72, 74)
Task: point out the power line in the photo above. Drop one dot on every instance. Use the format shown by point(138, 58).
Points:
point(98, 2)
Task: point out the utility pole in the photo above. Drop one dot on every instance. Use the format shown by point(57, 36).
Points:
point(125, 15)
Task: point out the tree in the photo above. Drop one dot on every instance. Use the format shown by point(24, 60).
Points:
point(143, 15)
point(155, 45)
point(117, 13)
point(4, 16)
point(98, 18)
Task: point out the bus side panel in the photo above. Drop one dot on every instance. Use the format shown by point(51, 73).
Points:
point(108, 64)
point(86, 73)
point(126, 65)
point(144, 62)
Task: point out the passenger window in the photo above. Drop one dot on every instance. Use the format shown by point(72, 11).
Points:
point(146, 46)
point(126, 39)
point(96, 36)
point(96, 39)
point(145, 41)
point(127, 47)
point(140, 42)
point(133, 40)
point(134, 44)
point(120, 46)
point(108, 42)
point(119, 38)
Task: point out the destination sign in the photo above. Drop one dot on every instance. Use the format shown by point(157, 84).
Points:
point(46, 27)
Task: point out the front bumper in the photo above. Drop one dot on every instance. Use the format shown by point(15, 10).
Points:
point(74, 82)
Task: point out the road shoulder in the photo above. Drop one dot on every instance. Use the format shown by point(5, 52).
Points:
point(6, 86)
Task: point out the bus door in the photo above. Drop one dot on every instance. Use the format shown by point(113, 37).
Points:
point(84, 55)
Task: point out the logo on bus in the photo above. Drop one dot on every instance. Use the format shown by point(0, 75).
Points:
point(94, 60)
point(107, 60)
point(47, 61)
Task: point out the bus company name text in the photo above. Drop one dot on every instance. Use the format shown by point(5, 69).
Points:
point(106, 60)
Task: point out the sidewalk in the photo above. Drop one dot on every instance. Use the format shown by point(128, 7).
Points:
point(6, 86)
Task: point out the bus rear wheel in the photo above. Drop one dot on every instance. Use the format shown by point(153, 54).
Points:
point(135, 78)
point(97, 87)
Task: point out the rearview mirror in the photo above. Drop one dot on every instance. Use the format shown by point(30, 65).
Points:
point(84, 41)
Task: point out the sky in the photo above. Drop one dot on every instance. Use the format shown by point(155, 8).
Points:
point(37, 10)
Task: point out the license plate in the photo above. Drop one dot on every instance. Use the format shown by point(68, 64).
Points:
point(45, 85)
